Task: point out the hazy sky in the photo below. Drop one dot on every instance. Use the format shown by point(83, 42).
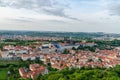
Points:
point(60, 15)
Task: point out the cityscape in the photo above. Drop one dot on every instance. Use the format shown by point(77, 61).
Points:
point(59, 40)
point(31, 57)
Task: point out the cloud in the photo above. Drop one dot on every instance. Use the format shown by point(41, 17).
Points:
point(20, 19)
point(56, 21)
point(32, 20)
point(27, 4)
point(115, 9)
point(51, 7)
point(59, 12)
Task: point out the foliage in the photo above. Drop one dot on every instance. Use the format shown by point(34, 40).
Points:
point(13, 67)
point(85, 74)
point(86, 48)
point(66, 51)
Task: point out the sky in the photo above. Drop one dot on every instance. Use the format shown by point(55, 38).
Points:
point(61, 15)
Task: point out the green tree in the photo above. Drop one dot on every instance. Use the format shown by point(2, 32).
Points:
point(66, 51)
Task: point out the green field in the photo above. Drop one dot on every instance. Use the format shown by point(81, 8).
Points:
point(3, 74)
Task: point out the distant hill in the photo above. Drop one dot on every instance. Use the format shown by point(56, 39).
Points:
point(58, 34)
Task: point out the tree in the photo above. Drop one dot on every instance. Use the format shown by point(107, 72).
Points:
point(73, 48)
point(66, 51)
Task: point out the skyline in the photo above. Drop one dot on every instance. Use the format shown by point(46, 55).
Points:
point(60, 15)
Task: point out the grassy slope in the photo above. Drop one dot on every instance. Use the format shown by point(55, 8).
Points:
point(3, 74)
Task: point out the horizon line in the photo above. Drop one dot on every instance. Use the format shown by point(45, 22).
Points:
point(60, 31)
